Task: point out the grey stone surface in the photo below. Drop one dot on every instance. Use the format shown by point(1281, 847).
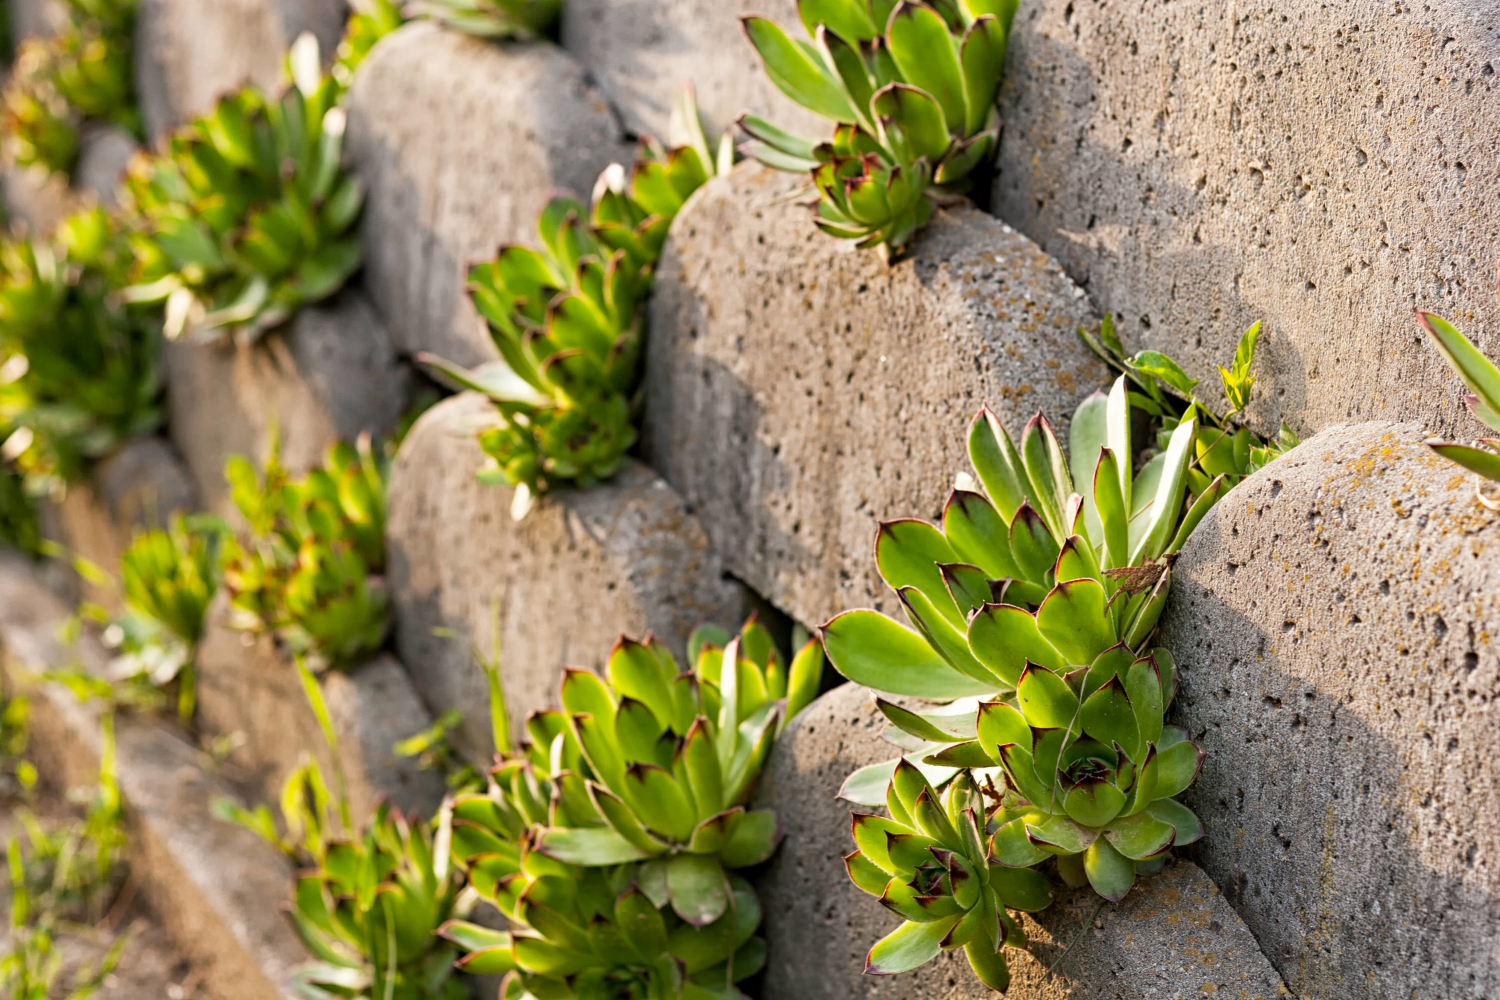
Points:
point(460, 142)
point(563, 583)
point(329, 374)
point(797, 393)
point(215, 887)
point(1324, 167)
point(1173, 936)
point(1335, 620)
point(106, 153)
point(189, 53)
point(643, 51)
point(249, 689)
point(30, 18)
point(36, 199)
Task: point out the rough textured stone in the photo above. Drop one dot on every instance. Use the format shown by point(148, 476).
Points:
point(562, 584)
point(460, 142)
point(106, 153)
point(249, 688)
point(1336, 621)
point(189, 53)
point(1174, 936)
point(331, 373)
point(30, 18)
point(796, 392)
point(1322, 167)
point(643, 51)
point(41, 199)
point(138, 487)
point(216, 887)
point(37, 199)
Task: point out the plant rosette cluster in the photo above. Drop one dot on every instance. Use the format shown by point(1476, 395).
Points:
point(1032, 605)
point(611, 843)
point(249, 214)
point(1482, 378)
point(911, 88)
point(84, 74)
point(310, 567)
point(567, 320)
point(81, 370)
point(497, 19)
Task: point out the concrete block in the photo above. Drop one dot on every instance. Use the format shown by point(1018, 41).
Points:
point(643, 51)
point(137, 488)
point(460, 143)
point(562, 585)
point(330, 374)
point(1174, 936)
point(797, 393)
point(189, 53)
point(41, 199)
point(1322, 167)
point(216, 888)
point(249, 689)
point(107, 150)
point(1335, 622)
point(33, 18)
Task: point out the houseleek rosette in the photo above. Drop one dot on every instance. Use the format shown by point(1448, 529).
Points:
point(521, 19)
point(911, 89)
point(81, 371)
point(611, 843)
point(248, 215)
point(567, 321)
point(1482, 378)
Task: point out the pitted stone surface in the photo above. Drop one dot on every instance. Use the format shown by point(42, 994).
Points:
point(1324, 167)
point(643, 51)
point(797, 393)
point(330, 374)
point(189, 53)
point(563, 583)
point(249, 688)
point(460, 142)
point(1173, 936)
point(1336, 621)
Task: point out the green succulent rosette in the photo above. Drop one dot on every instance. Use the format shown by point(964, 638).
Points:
point(1482, 378)
point(81, 371)
point(248, 215)
point(911, 88)
point(310, 568)
point(521, 19)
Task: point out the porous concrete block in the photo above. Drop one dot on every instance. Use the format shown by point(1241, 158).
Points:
point(1323, 167)
point(583, 567)
point(1336, 621)
point(35, 18)
point(139, 487)
point(643, 51)
point(216, 887)
point(1174, 936)
point(249, 690)
point(106, 152)
point(798, 392)
point(37, 199)
point(189, 53)
point(328, 375)
point(460, 142)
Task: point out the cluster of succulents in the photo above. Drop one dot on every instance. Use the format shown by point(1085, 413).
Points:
point(249, 213)
point(309, 570)
point(519, 19)
point(567, 319)
point(81, 370)
point(911, 88)
point(1482, 377)
point(1033, 606)
point(83, 74)
point(611, 841)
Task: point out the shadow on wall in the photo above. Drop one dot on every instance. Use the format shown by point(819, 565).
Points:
point(1322, 168)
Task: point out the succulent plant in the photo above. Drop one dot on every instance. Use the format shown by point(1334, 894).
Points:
point(248, 215)
point(929, 863)
point(1482, 377)
point(567, 320)
point(83, 74)
point(1166, 392)
point(81, 371)
point(491, 18)
point(369, 22)
point(911, 89)
point(309, 570)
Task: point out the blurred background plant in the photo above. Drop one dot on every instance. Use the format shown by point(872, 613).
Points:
point(83, 75)
point(496, 19)
point(369, 22)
